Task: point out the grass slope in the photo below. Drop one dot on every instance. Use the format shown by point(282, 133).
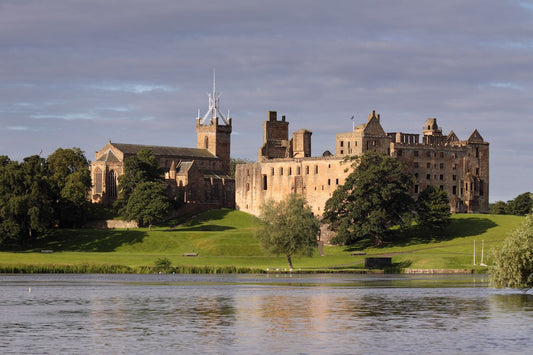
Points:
point(227, 237)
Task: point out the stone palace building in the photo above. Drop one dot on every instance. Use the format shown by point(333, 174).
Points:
point(284, 166)
point(201, 176)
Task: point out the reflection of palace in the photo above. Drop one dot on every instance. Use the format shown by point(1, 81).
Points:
point(461, 168)
point(195, 175)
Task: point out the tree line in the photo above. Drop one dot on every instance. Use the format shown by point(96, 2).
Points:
point(521, 205)
point(40, 193)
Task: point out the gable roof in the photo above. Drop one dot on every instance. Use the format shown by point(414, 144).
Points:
point(109, 157)
point(373, 127)
point(452, 137)
point(157, 150)
point(475, 137)
point(183, 167)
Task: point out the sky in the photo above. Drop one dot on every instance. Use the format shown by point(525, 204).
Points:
point(78, 73)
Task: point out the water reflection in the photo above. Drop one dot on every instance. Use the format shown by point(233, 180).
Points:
point(257, 314)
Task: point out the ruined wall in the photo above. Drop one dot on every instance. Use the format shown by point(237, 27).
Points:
point(461, 168)
point(313, 178)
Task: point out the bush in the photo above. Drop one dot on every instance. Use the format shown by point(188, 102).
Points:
point(162, 264)
point(513, 266)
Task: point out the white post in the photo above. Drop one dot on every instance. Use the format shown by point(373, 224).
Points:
point(474, 252)
point(482, 247)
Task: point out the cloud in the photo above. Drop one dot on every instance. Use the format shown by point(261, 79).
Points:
point(81, 72)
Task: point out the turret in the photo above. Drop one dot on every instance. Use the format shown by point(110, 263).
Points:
point(275, 138)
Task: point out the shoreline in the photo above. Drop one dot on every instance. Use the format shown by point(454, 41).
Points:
point(205, 269)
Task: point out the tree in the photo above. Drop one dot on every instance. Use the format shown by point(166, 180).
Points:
point(374, 197)
point(521, 205)
point(69, 171)
point(433, 209)
point(233, 165)
point(513, 265)
point(138, 169)
point(26, 199)
point(147, 204)
point(499, 207)
point(289, 227)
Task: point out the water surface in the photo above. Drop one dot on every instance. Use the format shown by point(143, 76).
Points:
point(87, 314)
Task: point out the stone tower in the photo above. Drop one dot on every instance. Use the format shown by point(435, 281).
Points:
point(213, 131)
point(275, 138)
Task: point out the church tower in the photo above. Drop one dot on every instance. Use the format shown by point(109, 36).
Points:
point(213, 130)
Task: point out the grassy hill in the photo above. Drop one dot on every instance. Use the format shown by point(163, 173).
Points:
point(225, 237)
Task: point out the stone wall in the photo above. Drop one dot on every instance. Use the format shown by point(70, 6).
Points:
point(112, 224)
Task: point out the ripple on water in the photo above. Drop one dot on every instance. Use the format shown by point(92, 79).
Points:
point(261, 314)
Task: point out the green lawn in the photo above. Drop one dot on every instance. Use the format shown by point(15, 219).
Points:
point(227, 238)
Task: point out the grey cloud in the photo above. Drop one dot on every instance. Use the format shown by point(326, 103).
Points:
point(137, 71)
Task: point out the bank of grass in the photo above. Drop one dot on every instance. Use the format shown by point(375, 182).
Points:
point(225, 242)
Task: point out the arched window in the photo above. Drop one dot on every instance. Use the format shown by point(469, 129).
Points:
point(98, 181)
point(111, 184)
point(206, 142)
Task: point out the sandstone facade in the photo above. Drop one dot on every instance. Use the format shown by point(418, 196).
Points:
point(285, 166)
point(194, 175)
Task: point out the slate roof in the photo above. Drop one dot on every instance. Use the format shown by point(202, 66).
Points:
point(157, 150)
point(183, 167)
point(109, 157)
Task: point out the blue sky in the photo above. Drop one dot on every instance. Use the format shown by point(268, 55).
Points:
point(77, 73)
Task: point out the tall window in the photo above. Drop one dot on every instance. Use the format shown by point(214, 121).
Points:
point(206, 142)
point(111, 184)
point(98, 181)
point(265, 182)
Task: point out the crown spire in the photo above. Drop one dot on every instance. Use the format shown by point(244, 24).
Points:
point(214, 107)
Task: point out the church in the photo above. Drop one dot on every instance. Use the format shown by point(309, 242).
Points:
point(197, 176)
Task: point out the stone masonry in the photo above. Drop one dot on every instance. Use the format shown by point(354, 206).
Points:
point(285, 166)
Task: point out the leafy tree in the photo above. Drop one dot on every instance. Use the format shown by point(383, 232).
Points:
point(521, 205)
point(432, 207)
point(513, 266)
point(499, 207)
point(374, 198)
point(26, 199)
point(289, 227)
point(147, 204)
point(69, 170)
point(138, 169)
